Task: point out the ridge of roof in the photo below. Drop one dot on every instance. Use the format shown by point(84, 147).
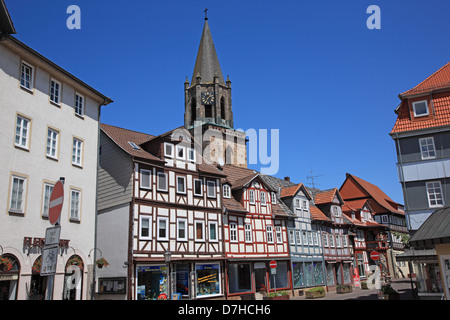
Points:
point(438, 80)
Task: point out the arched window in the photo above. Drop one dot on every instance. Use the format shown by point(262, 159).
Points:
point(193, 110)
point(8, 286)
point(222, 108)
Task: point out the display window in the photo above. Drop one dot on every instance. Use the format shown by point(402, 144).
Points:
point(208, 280)
point(280, 279)
point(239, 278)
point(152, 282)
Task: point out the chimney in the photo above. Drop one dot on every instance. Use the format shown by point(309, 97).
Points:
point(288, 179)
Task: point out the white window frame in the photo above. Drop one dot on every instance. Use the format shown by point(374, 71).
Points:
point(269, 232)
point(304, 238)
point(75, 212)
point(325, 239)
point(426, 105)
point(345, 241)
point(158, 228)
point(22, 76)
point(52, 143)
point(298, 238)
point(425, 143)
point(251, 196)
point(331, 238)
point(171, 146)
point(159, 175)
point(22, 138)
point(203, 230)
point(336, 211)
point(210, 183)
point(297, 203)
point(46, 192)
point(213, 223)
point(190, 151)
point(248, 232)
point(184, 184)
point(77, 152)
point(149, 219)
point(338, 241)
point(226, 191)
point(315, 238)
point(19, 195)
point(428, 184)
point(273, 197)
point(278, 234)
point(233, 232)
point(56, 96)
point(147, 174)
point(80, 102)
point(201, 187)
point(178, 149)
point(262, 197)
point(185, 221)
point(291, 237)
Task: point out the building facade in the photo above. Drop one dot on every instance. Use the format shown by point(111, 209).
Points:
point(422, 139)
point(50, 130)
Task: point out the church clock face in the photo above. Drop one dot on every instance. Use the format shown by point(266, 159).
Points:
point(207, 98)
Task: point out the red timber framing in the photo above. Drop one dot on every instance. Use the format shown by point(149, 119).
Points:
point(255, 232)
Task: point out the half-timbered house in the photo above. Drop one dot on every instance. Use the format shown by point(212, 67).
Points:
point(255, 233)
point(160, 215)
point(367, 235)
point(336, 245)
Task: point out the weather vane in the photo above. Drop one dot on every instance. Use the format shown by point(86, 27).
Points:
point(206, 14)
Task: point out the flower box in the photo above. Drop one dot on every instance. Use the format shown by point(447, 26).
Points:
point(315, 293)
point(344, 289)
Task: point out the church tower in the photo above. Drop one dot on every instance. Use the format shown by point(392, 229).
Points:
point(208, 107)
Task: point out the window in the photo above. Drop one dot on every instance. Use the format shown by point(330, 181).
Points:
point(344, 241)
point(420, 108)
point(269, 232)
point(297, 203)
point(315, 239)
point(191, 154)
point(434, 191)
point(325, 239)
point(199, 233)
point(48, 188)
point(212, 226)
point(146, 179)
point(26, 76)
point(278, 234)
point(427, 149)
point(162, 181)
point(337, 211)
point(262, 196)
point(331, 238)
point(18, 194)
point(181, 185)
point(79, 104)
point(240, 277)
point(163, 228)
point(297, 237)
point(310, 238)
point(233, 232)
point(384, 219)
point(55, 91)
point(211, 284)
point(145, 227)
point(22, 132)
point(211, 189)
point(181, 229)
point(198, 187)
point(251, 196)
point(77, 151)
point(338, 241)
point(168, 150)
point(75, 201)
point(52, 143)
point(226, 191)
point(274, 198)
point(248, 232)
point(181, 152)
point(305, 238)
point(134, 145)
point(291, 237)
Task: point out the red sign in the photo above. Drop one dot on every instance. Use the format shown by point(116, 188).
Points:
point(273, 264)
point(356, 278)
point(56, 202)
point(374, 255)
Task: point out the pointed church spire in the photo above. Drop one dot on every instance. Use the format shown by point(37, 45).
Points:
point(207, 63)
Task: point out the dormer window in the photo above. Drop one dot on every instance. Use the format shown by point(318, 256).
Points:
point(262, 197)
point(168, 150)
point(181, 153)
point(274, 198)
point(251, 196)
point(420, 108)
point(226, 191)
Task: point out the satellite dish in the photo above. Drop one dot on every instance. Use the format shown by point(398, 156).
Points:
point(220, 161)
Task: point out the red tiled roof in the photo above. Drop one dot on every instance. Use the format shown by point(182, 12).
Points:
point(438, 103)
point(316, 214)
point(292, 191)
point(326, 196)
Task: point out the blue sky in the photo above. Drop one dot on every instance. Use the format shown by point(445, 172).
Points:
point(311, 69)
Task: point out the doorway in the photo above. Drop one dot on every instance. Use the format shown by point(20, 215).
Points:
point(260, 277)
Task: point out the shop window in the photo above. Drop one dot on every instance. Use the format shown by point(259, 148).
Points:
point(73, 278)
point(152, 282)
point(9, 275)
point(208, 279)
point(239, 278)
point(281, 277)
point(318, 273)
point(297, 272)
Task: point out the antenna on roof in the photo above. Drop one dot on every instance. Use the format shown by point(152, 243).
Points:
point(312, 178)
point(206, 14)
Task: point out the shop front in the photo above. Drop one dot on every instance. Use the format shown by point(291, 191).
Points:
point(179, 281)
point(307, 274)
point(338, 273)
